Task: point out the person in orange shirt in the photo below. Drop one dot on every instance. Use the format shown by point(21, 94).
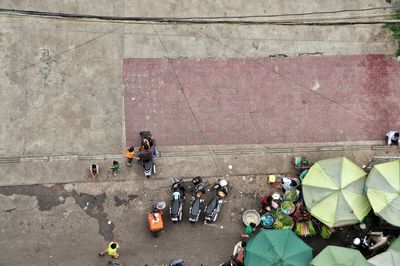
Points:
point(130, 155)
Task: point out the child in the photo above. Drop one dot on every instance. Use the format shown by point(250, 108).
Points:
point(94, 170)
point(115, 168)
point(111, 250)
point(130, 155)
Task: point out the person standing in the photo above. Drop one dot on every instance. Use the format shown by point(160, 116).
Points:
point(111, 250)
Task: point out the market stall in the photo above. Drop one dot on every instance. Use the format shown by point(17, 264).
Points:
point(334, 192)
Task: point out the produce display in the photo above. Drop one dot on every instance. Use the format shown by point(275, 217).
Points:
point(284, 208)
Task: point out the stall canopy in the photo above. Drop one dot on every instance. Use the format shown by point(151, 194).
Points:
point(277, 247)
point(395, 245)
point(383, 191)
point(339, 256)
point(334, 192)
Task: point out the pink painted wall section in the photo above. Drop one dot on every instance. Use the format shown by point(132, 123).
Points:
point(267, 100)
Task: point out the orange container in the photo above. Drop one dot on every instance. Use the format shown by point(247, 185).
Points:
point(155, 222)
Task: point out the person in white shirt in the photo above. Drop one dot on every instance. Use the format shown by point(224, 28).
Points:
point(239, 247)
point(289, 183)
point(392, 138)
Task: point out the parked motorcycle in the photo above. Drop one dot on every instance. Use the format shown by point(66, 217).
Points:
point(195, 207)
point(149, 167)
point(178, 193)
point(155, 218)
point(213, 208)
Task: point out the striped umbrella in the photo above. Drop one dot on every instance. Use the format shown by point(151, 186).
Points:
point(334, 192)
point(383, 191)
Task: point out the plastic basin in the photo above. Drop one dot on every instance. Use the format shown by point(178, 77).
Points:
point(251, 216)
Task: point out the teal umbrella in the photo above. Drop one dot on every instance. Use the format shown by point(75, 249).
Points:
point(395, 245)
point(335, 256)
point(277, 247)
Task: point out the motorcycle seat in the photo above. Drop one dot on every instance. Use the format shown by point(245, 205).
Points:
point(175, 204)
point(212, 205)
point(196, 206)
point(147, 164)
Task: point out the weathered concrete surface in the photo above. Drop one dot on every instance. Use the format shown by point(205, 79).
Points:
point(221, 41)
point(62, 80)
point(61, 87)
point(187, 161)
point(74, 228)
point(62, 94)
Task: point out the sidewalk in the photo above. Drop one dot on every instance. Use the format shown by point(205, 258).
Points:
point(261, 100)
point(182, 161)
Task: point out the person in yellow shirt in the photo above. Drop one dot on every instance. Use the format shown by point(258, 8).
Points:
point(130, 155)
point(111, 250)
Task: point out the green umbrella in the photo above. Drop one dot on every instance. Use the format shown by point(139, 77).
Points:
point(277, 247)
point(339, 256)
point(388, 258)
point(333, 192)
point(395, 245)
point(383, 191)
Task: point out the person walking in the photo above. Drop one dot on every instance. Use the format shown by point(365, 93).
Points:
point(392, 138)
point(130, 155)
point(115, 168)
point(111, 250)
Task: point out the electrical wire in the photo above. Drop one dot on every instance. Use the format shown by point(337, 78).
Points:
point(369, 19)
point(32, 12)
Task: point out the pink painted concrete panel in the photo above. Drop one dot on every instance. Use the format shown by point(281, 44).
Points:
point(266, 100)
